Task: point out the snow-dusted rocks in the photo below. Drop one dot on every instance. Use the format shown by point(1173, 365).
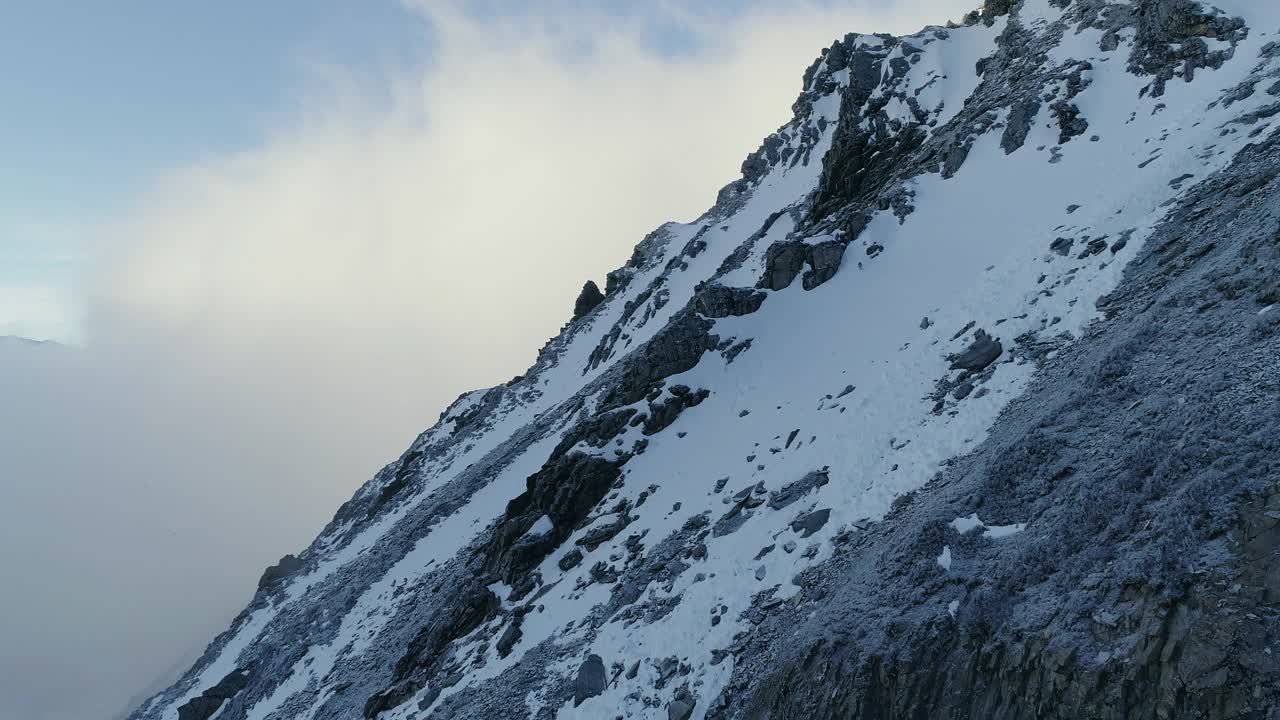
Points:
point(722, 493)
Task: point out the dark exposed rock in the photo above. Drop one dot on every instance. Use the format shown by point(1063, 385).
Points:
point(717, 301)
point(199, 708)
point(1020, 117)
point(565, 489)
point(476, 604)
point(210, 701)
point(981, 352)
point(811, 522)
point(996, 8)
point(288, 565)
point(1070, 123)
point(603, 574)
point(674, 349)
point(785, 260)
point(570, 560)
point(588, 299)
point(665, 412)
point(389, 698)
point(824, 261)
point(798, 489)
point(1095, 247)
point(598, 535)
point(1262, 113)
point(511, 635)
point(404, 473)
point(680, 709)
point(1170, 38)
point(590, 681)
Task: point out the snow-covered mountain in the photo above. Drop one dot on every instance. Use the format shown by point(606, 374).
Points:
point(960, 403)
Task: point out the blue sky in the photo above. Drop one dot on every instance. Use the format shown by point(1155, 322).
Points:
point(102, 98)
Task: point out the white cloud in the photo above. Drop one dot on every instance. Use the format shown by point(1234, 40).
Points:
point(39, 313)
point(267, 328)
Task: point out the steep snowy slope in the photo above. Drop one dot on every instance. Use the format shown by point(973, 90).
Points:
point(797, 460)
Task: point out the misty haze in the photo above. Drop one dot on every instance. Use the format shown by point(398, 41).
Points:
point(420, 359)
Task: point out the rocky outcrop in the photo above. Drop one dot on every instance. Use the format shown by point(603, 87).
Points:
point(717, 301)
point(785, 260)
point(288, 565)
point(1083, 526)
point(1146, 583)
point(587, 300)
point(1171, 39)
point(590, 681)
point(981, 352)
point(205, 705)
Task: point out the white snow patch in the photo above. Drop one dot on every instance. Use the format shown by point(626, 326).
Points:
point(995, 532)
point(944, 560)
point(541, 526)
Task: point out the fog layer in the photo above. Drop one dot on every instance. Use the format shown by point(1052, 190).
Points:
point(266, 329)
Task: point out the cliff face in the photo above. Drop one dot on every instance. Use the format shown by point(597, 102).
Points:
point(961, 402)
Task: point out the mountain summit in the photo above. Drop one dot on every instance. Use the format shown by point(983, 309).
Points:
point(960, 403)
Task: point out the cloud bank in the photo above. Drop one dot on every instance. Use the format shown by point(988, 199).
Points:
point(267, 328)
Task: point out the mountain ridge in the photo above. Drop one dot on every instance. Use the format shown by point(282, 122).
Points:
point(514, 562)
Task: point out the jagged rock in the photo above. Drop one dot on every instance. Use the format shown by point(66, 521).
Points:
point(591, 680)
point(792, 492)
point(1137, 451)
point(210, 701)
point(785, 260)
point(811, 522)
point(392, 488)
point(662, 414)
point(1020, 117)
point(783, 263)
point(680, 709)
point(602, 533)
point(510, 636)
point(602, 574)
point(1070, 123)
point(388, 699)
point(287, 566)
point(995, 8)
point(824, 260)
point(426, 647)
point(717, 301)
point(981, 352)
point(588, 299)
point(1095, 247)
point(570, 560)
